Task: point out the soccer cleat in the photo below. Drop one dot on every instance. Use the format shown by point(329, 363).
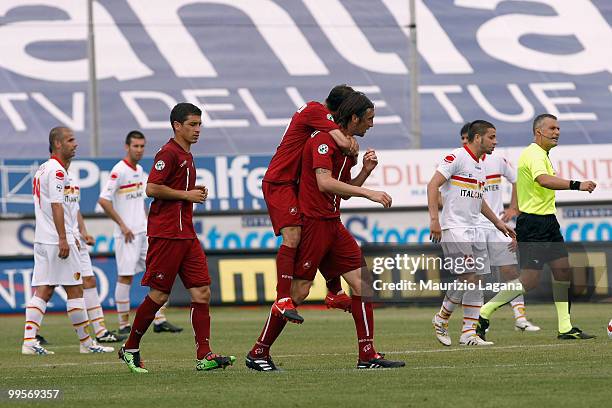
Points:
point(473, 340)
point(441, 331)
point(525, 325)
point(109, 337)
point(284, 308)
point(166, 327)
point(125, 330)
point(35, 350)
point(575, 334)
point(133, 361)
point(95, 348)
point(340, 301)
point(379, 361)
point(41, 340)
point(482, 327)
point(213, 361)
point(260, 363)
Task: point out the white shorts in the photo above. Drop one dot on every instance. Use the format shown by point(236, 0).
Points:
point(131, 256)
point(497, 246)
point(466, 250)
point(85, 259)
point(51, 270)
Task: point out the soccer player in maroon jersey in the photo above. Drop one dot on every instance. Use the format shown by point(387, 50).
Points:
point(280, 193)
point(325, 243)
point(174, 248)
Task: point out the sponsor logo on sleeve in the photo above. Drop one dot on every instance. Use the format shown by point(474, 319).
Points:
point(114, 176)
point(59, 174)
point(159, 166)
point(323, 149)
point(449, 158)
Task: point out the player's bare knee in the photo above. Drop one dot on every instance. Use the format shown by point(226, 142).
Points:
point(45, 292)
point(509, 272)
point(291, 236)
point(126, 280)
point(200, 294)
point(89, 282)
point(158, 296)
point(300, 290)
point(74, 291)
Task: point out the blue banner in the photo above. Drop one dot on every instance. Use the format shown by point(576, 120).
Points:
point(250, 64)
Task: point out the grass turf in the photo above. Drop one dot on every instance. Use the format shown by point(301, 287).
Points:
point(319, 359)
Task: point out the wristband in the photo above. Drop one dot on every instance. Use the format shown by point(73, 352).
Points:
point(574, 185)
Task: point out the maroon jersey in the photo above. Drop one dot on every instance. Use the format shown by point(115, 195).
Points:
point(285, 164)
point(321, 151)
point(172, 167)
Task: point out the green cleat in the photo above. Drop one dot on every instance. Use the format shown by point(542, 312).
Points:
point(132, 359)
point(575, 334)
point(482, 327)
point(213, 361)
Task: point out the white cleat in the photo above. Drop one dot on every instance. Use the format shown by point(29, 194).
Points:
point(526, 325)
point(35, 350)
point(441, 331)
point(473, 340)
point(96, 348)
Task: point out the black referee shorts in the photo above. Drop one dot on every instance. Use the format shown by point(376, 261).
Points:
point(540, 240)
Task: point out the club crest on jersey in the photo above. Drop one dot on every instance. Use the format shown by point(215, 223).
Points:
point(159, 166)
point(59, 174)
point(77, 276)
point(114, 176)
point(307, 265)
point(323, 148)
point(449, 158)
point(293, 210)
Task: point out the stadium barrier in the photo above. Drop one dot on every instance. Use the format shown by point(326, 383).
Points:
point(248, 277)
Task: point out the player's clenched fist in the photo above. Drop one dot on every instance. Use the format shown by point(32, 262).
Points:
point(370, 160)
point(587, 186)
point(204, 189)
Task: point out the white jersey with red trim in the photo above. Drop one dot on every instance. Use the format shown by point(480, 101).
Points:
point(495, 167)
point(462, 193)
point(125, 188)
point(53, 184)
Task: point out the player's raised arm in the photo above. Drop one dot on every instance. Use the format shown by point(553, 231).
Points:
point(433, 205)
point(347, 144)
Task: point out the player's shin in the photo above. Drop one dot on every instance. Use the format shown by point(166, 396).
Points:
point(363, 315)
point(144, 317)
point(503, 297)
point(200, 321)
point(35, 311)
point(80, 321)
point(471, 304)
point(272, 329)
point(94, 311)
point(122, 301)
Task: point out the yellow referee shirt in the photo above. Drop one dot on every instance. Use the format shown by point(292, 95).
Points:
point(532, 197)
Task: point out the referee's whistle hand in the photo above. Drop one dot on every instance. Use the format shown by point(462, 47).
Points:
point(587, 186)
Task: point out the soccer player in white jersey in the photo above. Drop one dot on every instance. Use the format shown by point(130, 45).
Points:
point(123, 201)
point(56, 251)
point(500, 255)
point(461, 179)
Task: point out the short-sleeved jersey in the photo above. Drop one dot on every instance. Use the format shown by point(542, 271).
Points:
point(321, 151)
point(285, 164)
point(172, 219)
point(125, 189)
point(462, 193)
point(495, 167)
point(53, 184)
point(532, 197)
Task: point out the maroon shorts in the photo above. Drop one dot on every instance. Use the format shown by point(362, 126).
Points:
point(328, 246)
point(282, 203)
point(167, 258)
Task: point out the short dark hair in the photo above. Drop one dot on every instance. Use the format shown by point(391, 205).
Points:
point(357, 103)
point(465, 129)
point(537, 122)
point(56, 134)
point(478, 127)
point(133, 134)
point(337, 95)
point(181, 111)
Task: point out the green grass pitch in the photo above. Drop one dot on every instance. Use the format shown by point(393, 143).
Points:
point(319, 359)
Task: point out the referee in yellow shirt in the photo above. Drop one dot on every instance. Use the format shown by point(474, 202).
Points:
point(537, 229)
